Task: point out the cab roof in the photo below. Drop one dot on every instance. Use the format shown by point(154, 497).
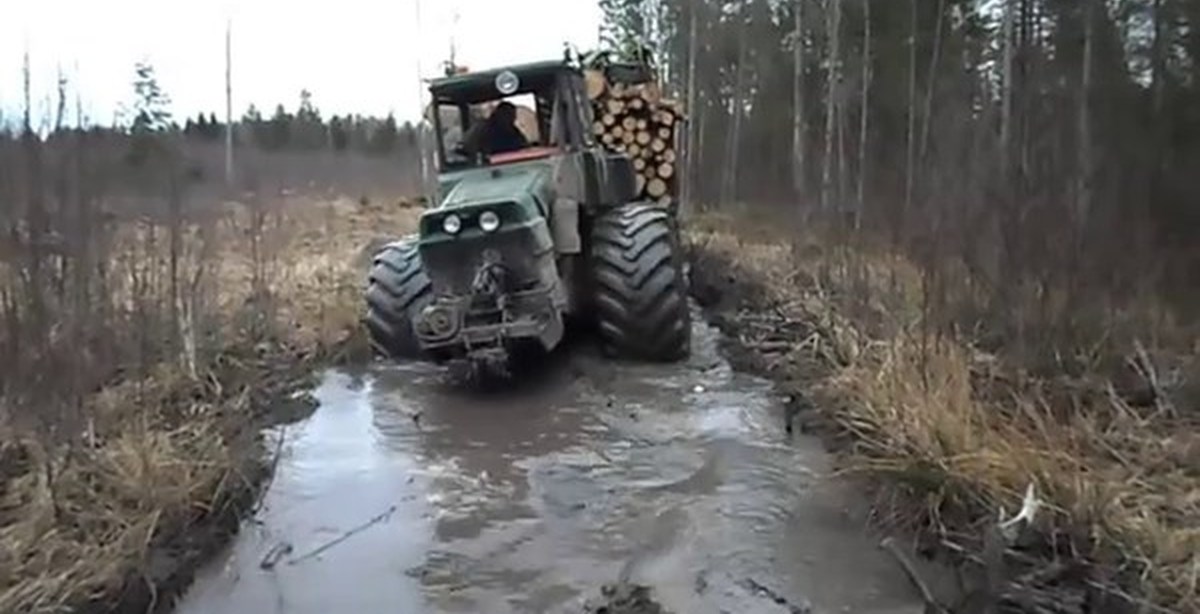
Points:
point(480, 86)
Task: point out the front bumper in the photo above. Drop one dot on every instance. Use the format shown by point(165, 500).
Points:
point(456, 325)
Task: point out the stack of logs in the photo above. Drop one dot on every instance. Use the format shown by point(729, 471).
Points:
point(636, 120)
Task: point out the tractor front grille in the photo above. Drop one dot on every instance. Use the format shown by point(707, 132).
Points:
point(453, 266)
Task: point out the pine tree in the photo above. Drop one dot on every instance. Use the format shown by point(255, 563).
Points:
point(151, 104)
point(383, 140)
point(338, 134)
point(151, 115)
point(258, 128)
point(624, 28)
point(309, 130)
point(281, 128)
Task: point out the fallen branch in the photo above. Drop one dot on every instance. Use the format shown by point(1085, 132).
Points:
point(344, 536)
point(274, 555)
point(931, 603)
point(1024, 585)
point(771, 346)
point(262, 492)
point(766, 591)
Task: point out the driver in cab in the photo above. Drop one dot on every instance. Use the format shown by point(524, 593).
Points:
point(498, 133)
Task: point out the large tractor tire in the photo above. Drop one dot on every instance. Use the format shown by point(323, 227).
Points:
point(398, 290)
point(639, 289)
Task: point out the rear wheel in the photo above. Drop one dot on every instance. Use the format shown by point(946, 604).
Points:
point(398, 289)
point(639, 291)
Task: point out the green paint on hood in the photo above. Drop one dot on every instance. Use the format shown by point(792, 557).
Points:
point(497, 184)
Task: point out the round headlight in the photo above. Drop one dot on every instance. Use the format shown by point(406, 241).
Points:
point(507, 82)
point(489, 221)
point(452, 224)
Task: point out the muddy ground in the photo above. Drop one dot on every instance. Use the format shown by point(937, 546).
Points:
point(600, 486)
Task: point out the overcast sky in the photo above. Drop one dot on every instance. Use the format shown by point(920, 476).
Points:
point(354, 55)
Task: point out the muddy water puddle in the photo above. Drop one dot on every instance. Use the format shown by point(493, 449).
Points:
point(400, 494)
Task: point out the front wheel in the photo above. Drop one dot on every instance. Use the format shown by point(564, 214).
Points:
point(398, 290)
point(638, 285)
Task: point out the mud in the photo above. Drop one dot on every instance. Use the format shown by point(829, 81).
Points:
point(602, 487)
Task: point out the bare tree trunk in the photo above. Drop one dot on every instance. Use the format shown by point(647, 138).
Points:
point(61, 284)
point(60, 111)
point(700, 152)
point(35, 212)
point(934, 60)
point(1025, 36)
point(689, 155)
point(864, 115)
point(1007, 93)
point(1083, 192)
point(799, 166)
point(833, 24)
point(1158, 67)
point(228, 106)
point(28, 93)
point(1160, 134)
point(738, 110)
point(842, 183)
point(910, 162)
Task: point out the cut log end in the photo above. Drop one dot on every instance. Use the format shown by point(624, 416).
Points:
point(595, 84)
point(656, 187)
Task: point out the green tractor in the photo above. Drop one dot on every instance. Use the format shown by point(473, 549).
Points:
point(528, 233)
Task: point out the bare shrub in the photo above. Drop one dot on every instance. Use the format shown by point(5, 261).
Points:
point(141, 304)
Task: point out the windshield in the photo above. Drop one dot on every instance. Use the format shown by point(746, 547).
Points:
point(466, 136)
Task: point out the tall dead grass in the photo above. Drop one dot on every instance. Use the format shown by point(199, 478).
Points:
point(958, 433)
point(270, 285)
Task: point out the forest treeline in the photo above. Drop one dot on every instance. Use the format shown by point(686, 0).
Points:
point(150, 111)
point(1039, 143)
point(306, 129)
point(299, 130)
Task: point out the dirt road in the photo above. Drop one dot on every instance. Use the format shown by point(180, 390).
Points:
point(401, 495)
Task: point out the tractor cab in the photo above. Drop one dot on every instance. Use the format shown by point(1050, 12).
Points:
point(510, 114)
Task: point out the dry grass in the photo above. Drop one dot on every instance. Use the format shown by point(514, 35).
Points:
point(79, 526)
point(961, 433)
point(159, 453)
